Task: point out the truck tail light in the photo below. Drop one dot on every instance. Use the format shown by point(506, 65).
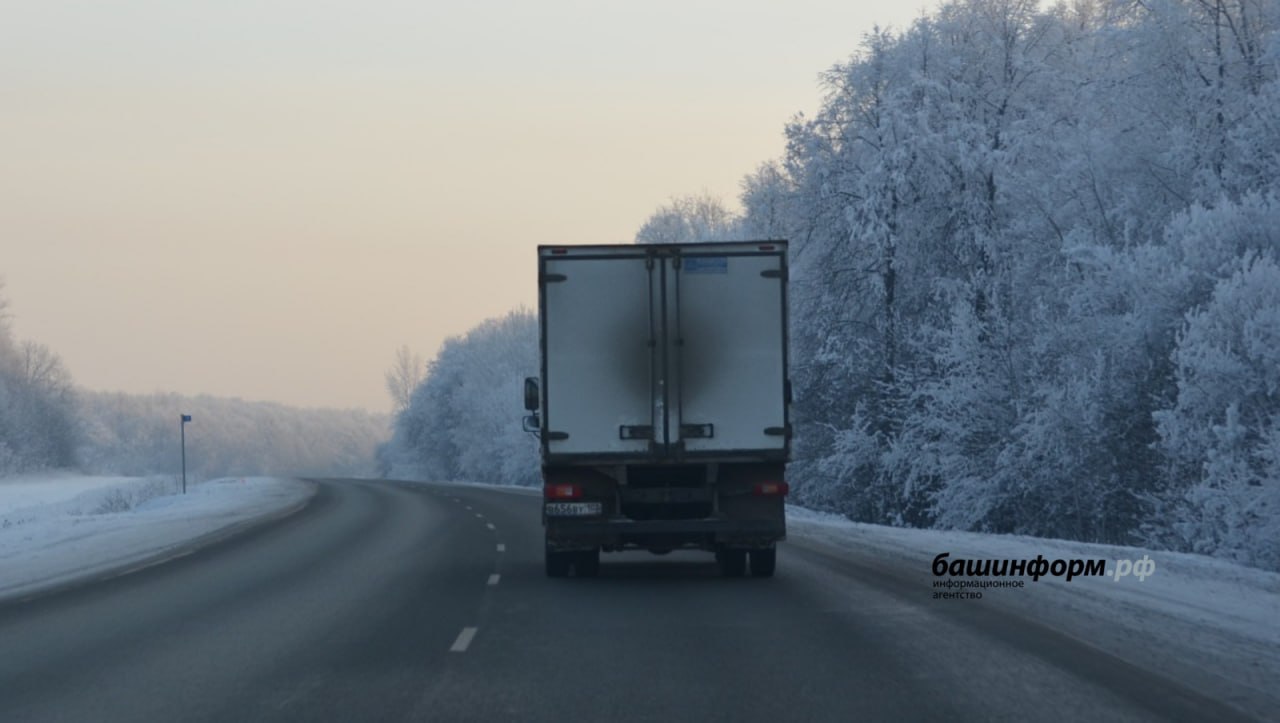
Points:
point(562, 491)
point(771, 489)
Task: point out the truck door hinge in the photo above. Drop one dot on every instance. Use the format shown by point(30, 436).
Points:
point(774, 273)
point(783, 431)
point(553, 278)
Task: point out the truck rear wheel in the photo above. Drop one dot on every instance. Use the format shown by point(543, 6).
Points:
point(763, 562)
point(558, 563)
point(733, 563)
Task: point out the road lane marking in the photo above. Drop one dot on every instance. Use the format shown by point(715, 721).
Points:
point(493, 579)
point(467, 506)
point(464, 640)
point(490, 525)
point(502, 547)
point(480, 516)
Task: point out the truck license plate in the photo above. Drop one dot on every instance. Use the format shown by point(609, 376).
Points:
point(573, 509)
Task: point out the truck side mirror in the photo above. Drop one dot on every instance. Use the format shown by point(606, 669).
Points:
point(531, 423)
point(531, 401)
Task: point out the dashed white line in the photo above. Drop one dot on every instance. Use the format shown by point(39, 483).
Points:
point(464, 640)
point(479, 516)
point(493, 579)
point(490, 525)
point(467, 506)
point(502, 547)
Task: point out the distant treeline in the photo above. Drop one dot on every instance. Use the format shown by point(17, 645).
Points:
point(138, 434)
point(45, 423)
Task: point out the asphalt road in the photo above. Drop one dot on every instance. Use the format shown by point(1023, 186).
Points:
point(390, 601)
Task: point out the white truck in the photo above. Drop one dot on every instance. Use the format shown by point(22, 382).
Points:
point(662, 405)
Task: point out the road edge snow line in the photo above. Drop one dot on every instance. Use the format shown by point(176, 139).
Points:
point(137, 563)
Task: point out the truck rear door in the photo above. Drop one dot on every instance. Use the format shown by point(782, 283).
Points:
point(726, 323)
point(598, 335)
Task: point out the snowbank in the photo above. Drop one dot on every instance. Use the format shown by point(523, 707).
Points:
point(57, 529)
point(1195, 617)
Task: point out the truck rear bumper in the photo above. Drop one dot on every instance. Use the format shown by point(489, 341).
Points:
point(619, 533)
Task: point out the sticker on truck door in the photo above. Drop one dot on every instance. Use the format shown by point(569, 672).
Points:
point(706, 265)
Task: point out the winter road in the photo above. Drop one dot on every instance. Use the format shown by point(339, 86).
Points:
point(389, 601)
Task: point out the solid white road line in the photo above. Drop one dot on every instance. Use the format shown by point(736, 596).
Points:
point(464, 640)
point(493, 579)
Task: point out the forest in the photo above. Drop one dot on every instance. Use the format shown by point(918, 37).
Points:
point(1035, 282)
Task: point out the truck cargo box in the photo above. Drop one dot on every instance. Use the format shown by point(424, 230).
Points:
point(664, 351)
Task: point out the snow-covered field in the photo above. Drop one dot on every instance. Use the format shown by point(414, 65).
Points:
point(59, 528)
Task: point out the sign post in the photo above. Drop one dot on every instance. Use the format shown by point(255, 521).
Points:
point(182, 424)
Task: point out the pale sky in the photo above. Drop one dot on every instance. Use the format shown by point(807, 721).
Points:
point(265, 198)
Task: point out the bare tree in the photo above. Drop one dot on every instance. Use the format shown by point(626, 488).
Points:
point(404, 376)
point(6, 335)
point(44, 370)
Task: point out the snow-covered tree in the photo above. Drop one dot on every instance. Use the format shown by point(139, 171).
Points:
point(1220, 435)
point(700, 217)
point(38, 427)
point(463, 421)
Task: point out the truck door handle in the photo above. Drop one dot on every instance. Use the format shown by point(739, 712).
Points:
point(697, 431)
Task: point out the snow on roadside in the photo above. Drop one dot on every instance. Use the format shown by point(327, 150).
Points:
point(496, 487)
point(1195, 588)
point(58, 528)
point(45, 488)
point(1193, 616)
